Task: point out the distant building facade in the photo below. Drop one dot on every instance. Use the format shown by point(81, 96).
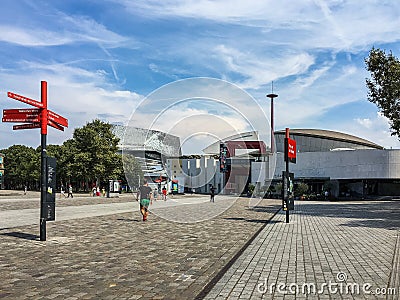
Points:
point(343, 164)
point(150, 147)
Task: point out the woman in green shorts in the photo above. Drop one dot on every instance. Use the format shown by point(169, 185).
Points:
point(145, 194)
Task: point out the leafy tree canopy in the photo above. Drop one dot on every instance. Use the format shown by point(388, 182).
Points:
point(96, 147)
point(22, 166)
point(90, 156)
point(384, 85)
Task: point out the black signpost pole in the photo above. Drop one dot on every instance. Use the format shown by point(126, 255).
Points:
point(43, 189)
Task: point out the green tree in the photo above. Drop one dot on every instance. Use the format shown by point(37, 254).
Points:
point(301, 189)
point(66, 162)
point(96, 156)
point(384, 85)
point(21, 167)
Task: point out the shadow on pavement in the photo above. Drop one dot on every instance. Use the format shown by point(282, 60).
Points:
point(385, 214)
point(22, 235)
point(128, 220)
point(254, 220)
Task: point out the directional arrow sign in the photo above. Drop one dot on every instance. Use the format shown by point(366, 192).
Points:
point(26, 126)
point(56, 118)
point(21, 118)
point(21, 115)
point(25, 100)
point(7, 112)
point(55, 125)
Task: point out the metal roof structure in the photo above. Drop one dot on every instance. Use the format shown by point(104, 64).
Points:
point(330, 135)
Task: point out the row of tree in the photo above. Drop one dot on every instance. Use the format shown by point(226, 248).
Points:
point(90, 158)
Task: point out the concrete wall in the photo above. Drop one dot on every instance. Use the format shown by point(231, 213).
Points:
point(200, 173)
point(352, 164)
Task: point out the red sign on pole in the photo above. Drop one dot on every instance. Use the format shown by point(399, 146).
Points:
point(38, 117)
point(21, 118)
point(21, 115)
point(290, 151)
point(25, 100)
point(55, 125)
point(26, 126)
point(20, 111)
point(56, 118)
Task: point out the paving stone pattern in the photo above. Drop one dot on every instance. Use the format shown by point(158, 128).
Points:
point(33, 200)
point(342, 243)
point(120, 257)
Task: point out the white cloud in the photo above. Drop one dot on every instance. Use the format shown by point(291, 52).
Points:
point(77, 94)
point(260, 70)
point(339, 25)
point(367, 123)
point(374, 129)
point(65, 30)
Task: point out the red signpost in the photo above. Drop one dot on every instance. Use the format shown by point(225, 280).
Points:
point(38, 117)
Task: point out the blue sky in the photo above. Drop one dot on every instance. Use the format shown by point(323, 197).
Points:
point(102, 58)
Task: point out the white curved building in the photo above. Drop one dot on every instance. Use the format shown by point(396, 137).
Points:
point(347, 165)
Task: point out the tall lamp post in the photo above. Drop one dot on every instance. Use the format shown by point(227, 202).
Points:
point(272, 96)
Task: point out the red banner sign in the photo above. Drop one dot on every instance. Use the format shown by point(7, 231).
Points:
point(292, 150)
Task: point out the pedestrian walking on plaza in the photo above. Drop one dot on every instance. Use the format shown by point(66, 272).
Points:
point(212, 193)
point(62, 191)
point(155, 195)
point(70, 191)
point(164, 193)
point(25, 190)
point(145, 194)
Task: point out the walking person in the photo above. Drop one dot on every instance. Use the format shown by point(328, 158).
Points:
point(155, 195)
point(70, 191)
point(145, 194)
point(212, 193)
point(326, 194)
point(62, 191)
point(164, 193)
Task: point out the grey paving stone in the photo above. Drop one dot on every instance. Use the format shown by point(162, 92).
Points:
point(118, 256)
point(323, 241)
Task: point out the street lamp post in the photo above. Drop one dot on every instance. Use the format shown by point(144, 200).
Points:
point(272, 96)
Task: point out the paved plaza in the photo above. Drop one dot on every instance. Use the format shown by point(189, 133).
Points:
point(342, 250)
point(105, 251)
point(117, 256)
